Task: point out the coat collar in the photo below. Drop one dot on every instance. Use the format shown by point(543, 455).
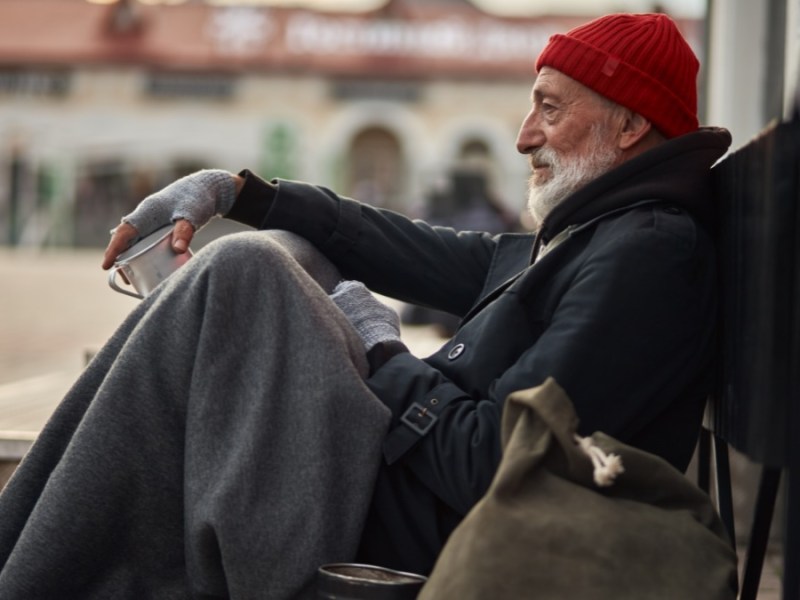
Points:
point(677, 171)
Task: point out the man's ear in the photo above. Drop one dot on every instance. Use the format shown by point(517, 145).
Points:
point(634, 129)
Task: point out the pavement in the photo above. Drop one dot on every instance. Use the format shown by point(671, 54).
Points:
point(57, 309)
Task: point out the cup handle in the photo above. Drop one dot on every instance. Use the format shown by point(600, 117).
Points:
point(112, 281)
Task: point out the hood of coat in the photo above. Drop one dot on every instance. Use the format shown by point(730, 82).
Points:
point(677, 171)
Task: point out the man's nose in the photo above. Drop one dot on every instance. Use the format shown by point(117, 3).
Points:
point(530, 135)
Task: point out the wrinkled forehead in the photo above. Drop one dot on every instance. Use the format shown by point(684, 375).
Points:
point(553, 83)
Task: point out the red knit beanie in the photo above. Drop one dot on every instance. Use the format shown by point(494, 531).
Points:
point(639, 61)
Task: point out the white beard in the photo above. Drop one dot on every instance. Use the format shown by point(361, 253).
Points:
point(568, 174)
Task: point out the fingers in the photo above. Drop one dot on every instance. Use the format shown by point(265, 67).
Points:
point(182, 235)
point(120, 241)
point(125, 234)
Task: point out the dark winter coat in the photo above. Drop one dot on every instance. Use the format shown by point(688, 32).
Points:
point(614, 298)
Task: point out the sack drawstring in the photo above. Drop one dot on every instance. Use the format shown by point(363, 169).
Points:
point(606, 466)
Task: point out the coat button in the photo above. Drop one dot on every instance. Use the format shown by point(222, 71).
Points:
point(456, 351)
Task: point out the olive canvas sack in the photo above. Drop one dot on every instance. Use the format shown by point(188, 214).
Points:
point(590, 518)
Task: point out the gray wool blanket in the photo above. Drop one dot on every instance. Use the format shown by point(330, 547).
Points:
point(222, 444)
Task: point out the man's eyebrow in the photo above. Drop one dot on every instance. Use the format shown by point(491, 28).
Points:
point(543, 92)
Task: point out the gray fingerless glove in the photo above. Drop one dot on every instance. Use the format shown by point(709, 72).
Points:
point(374, 321)
point(196, 197)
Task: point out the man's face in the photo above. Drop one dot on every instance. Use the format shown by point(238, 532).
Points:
point(570, 136)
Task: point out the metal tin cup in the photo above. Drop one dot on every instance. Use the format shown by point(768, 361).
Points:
point(147, 263)
point(352, 581)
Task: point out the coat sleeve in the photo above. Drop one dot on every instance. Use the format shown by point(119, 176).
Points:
point(390, 253)
point(628, 335)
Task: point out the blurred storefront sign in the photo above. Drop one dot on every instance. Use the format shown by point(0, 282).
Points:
point(407, 38)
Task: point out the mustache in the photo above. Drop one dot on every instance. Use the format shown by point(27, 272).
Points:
point(542, 157)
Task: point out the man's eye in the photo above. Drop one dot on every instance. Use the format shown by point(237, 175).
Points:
point(549, 111)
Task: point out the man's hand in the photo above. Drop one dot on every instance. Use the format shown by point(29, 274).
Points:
point(190, 202)
point(125, 234)
point(374, 321)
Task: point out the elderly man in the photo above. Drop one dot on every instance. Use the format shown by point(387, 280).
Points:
point(239, 429)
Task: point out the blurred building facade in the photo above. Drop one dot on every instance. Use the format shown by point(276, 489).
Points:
point(102, 104)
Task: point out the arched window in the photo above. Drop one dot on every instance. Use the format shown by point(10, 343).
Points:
point(474, 154)
point(473, 184)
point(376, 169)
